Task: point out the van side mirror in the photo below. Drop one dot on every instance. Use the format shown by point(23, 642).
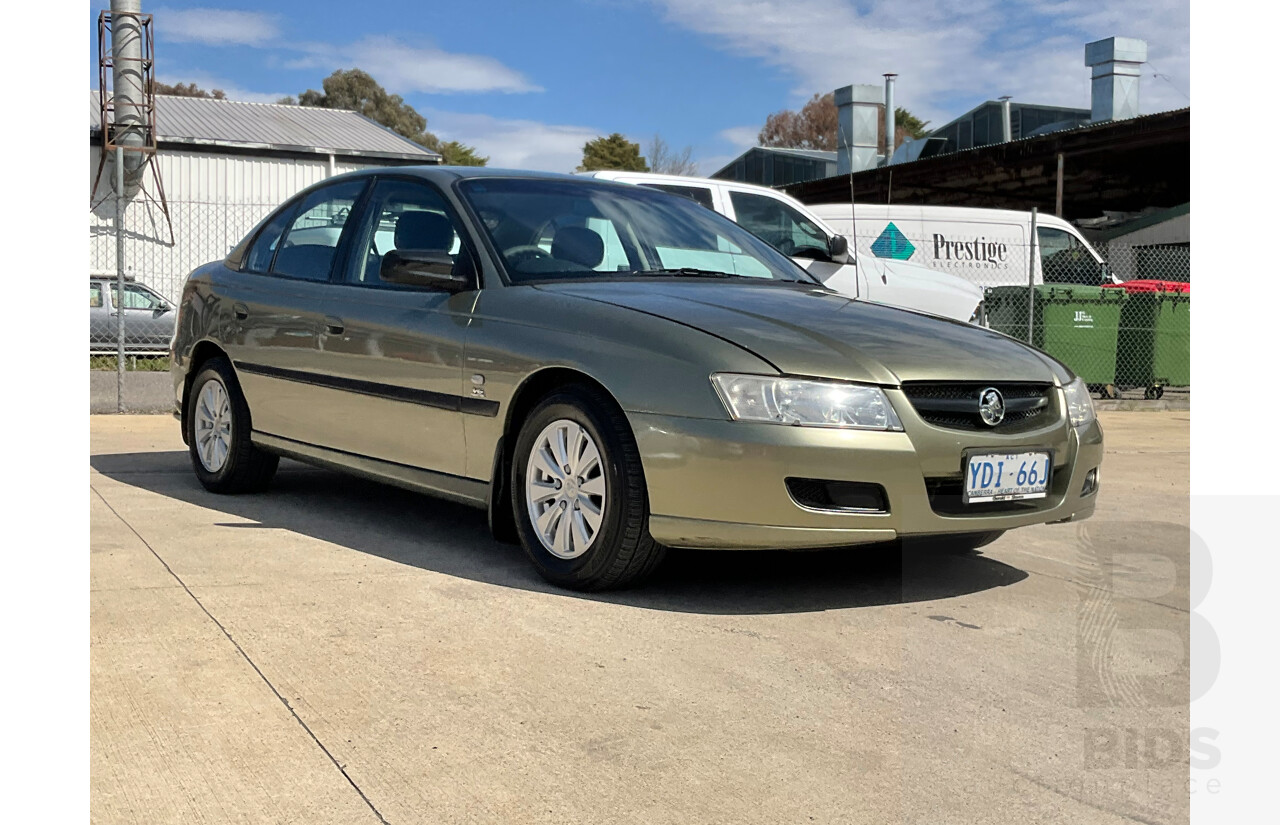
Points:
point(429, 268)
point(838, 249)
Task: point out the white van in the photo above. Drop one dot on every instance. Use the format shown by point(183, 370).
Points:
point(989, 247)
point(794, 230)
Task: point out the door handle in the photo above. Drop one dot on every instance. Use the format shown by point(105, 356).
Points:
point(241, 311)
point(334, 325)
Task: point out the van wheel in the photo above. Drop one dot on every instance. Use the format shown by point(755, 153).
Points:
point(222, 454)
point(578, 493)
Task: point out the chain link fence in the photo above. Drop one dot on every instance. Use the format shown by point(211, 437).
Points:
point(1117, 313)
point(156, 264)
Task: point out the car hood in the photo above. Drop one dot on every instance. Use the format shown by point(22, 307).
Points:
point(804, 329)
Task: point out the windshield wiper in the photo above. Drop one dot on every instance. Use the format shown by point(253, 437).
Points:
point(686, 272)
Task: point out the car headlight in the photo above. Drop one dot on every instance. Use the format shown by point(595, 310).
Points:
point(1079, 403)
point(805, 402)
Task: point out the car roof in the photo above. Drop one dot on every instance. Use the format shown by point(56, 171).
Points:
point(441, 174)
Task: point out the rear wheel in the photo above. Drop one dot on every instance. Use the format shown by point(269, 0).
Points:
point(579, 496)
point(222, 454)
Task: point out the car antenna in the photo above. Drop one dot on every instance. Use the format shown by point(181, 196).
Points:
point(853, 212)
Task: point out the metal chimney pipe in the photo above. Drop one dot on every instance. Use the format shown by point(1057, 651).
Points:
point(1117, 68)
point(890, 117)
point(128, 95)
point(857, 127)
point(1006, 118)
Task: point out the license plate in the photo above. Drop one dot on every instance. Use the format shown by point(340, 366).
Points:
point(992, 477)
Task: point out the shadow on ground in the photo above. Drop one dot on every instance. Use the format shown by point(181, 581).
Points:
point(448, 538)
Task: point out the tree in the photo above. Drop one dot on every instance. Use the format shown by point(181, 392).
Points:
point(357, 91)
point(816, 126)
point(457, 154)
point(188, 90)
point(813, 127)
point(664, 160)
point(913, 126)
point(612, 152)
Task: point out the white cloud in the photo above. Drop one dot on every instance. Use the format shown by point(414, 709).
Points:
point(216, 27)
point(517, 144)
point(947, 54)
point(741, 137)
point(402, 68)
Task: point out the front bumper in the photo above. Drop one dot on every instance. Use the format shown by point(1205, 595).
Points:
point(722, 484)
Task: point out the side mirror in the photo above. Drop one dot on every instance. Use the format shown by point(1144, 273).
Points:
point(838, 249)
point(428, 268)
point(162, 308)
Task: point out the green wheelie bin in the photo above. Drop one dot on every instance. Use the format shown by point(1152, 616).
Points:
point(1076, 324)
point(1155, 336)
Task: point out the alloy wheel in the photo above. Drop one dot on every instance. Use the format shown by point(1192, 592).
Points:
point(212, 425)
point(565, 489)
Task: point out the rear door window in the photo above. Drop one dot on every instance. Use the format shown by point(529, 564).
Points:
point(310, 245)
point(264, 246)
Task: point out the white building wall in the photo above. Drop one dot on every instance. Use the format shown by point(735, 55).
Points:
point(214, 200)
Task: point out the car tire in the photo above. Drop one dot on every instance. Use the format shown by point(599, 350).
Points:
point(218, 434)
point(600, 538)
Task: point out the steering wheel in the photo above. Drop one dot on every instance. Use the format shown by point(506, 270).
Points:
point(522, 252)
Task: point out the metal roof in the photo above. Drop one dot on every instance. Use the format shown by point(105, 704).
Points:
point(808, 154)
point(272, 128)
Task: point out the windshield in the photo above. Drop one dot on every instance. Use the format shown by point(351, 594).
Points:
point(574, 229)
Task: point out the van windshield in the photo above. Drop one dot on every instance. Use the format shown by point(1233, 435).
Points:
point(575, 229)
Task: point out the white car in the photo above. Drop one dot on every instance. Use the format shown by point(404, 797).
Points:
point(795, 231)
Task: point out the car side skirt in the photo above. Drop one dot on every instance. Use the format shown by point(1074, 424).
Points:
point(467, 491)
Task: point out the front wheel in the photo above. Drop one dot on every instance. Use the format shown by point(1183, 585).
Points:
point(222, 453)
point(579, 495)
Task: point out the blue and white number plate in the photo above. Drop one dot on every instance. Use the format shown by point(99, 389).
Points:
point(992, 477)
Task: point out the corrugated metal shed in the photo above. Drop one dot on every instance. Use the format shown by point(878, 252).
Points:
point(272, 128)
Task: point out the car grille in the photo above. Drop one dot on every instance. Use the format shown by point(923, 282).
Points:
point(955, 405)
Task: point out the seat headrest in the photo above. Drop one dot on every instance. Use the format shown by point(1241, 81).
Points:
point(423, 230)
point(579, 245)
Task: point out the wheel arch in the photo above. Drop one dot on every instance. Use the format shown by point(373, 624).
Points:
point(532, 389)
point(200, 353)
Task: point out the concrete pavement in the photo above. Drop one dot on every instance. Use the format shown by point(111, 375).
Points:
point(340, 651)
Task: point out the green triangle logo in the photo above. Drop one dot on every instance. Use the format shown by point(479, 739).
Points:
point(892, 244)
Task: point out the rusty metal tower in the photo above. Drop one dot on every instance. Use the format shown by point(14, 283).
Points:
point(127, 106)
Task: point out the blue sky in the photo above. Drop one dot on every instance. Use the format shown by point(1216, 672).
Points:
point(527, 83)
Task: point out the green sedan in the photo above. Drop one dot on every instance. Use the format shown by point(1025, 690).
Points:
point(610, 371)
